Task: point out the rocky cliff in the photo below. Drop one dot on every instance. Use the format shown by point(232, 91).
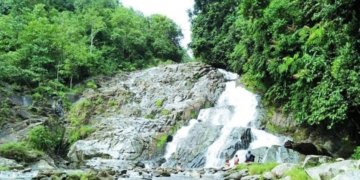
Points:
point(143, 109)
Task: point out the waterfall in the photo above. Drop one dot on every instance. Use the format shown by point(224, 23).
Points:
point(180, 135)
point(234, 112)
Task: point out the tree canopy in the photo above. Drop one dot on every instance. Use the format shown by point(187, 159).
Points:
point(303, 55)
point(64, 42)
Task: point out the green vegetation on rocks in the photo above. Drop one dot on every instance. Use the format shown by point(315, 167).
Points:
point(356, 154)
point(20, 151)
point(297, 173)
point(79, 115)
point(161, 141)
point(256, 168)
point(43, 138)
point(4, 168)
point(159, 103)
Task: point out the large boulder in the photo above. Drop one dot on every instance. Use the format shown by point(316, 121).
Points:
point(280, 170)
point(276, 154)
point(314, 160)
point(331, 170)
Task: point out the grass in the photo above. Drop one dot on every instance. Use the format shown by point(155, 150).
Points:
point(4, 168)
point(261, 168)
point(242, 166)
point(297, 173)
point(256, 168)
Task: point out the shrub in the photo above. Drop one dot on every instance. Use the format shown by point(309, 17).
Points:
point(297, 173)
point(19, 151)
point(42, 138)
point(356, 154)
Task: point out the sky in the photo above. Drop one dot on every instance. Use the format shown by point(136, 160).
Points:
point(174, 9)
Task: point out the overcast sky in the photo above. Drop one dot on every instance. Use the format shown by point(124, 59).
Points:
point(174, 9)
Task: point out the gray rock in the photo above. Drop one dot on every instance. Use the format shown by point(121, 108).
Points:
point(129, 130)
point(252, 177)
point(10, 163)
point(161, 173)
point(140, 164)
point(330, 170)
point(276, 154)
point(281, 169)
point(195, 174)
point(314, 160)
point(41, 165)
point(268, 176)
point(286, 178)
point(237, 175)
point(351, 175)
point(23, 114)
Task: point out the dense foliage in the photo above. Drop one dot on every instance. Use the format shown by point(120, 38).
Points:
point(49, 44)
point(303, 55)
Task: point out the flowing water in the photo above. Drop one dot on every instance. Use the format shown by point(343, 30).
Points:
point(235, 109)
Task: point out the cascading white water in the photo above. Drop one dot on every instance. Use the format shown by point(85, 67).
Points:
point(235, 108)
point(179, 136)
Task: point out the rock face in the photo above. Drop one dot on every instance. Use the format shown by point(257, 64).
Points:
point(333, 140)
point(201, 137)
point(149, 105)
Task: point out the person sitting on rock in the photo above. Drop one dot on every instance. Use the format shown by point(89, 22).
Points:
point(249, 157)
point(236, 160)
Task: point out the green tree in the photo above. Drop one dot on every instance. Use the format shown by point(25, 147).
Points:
point(166, 38)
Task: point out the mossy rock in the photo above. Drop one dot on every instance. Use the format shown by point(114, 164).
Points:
point(20, 151)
